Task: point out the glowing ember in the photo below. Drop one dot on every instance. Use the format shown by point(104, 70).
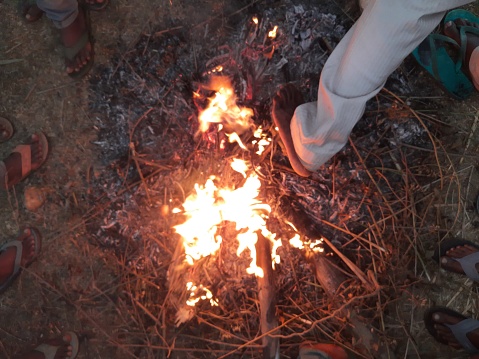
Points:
point(263, 140)
point(224, 110)
point(272, 33)
point(218, 68)
point(255, 20)
point(198, 293)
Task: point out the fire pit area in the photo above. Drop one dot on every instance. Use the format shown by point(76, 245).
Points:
point(226, 252)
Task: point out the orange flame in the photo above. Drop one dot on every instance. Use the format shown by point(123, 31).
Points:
point(195, 296)
point(223, 109)
point(272, 33)
point(315, 245)
point(262, 140)
point(209, 206)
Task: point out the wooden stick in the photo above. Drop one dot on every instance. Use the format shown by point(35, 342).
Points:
point(267, 298)
point(331, 278)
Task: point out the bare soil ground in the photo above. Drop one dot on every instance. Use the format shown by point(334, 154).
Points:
point(77, 284)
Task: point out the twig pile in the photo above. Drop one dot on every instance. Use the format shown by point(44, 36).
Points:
point(364, 202)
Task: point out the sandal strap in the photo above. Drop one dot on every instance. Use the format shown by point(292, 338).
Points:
point(468, 264)
point(460, 331)
point(432, 44)
point(16, 266)
point(463, 30)
point(48, 350)
point(73, 51)
point(25, 152)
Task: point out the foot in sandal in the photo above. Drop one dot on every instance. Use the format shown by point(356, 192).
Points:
point(285, 101)
point(65, 347)
point(23, 160)
point(18, 254)
point(453, 329)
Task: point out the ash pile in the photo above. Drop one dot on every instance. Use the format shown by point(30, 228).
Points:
point(146, 106)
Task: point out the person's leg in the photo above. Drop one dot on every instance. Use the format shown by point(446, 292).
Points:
point(386, 32)
point(32, 12)
point(71, 21)
point(61, 12)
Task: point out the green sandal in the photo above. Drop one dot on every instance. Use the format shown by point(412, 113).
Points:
point(463, 30)
point(433, 56)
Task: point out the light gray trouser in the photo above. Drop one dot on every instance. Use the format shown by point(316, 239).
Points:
point(386, 32)
point(61, 12)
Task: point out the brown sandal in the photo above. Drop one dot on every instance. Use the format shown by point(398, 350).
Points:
point(28, 167)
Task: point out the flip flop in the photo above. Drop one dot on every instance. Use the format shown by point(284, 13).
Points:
point(30, 7)
point(432, 55)
point(460, 14)
point(49, 351)
point(468, 263)
point(71, 52)
point(28, 167)
point(18, 255)
point(459, 330)
point(6, 130)
point(463, 31)
point(284, 98)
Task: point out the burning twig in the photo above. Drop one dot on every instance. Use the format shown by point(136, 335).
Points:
point(331, 280)
point(267, 298)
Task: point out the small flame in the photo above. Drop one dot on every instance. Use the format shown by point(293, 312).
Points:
point(239, 166)
point(316, 245)
point(255, 20)
point(234, 137)
point(223, 109)
point(262, 142)
point(199, 292)
point(198, 232)
point(272, 33)
point(296, 242)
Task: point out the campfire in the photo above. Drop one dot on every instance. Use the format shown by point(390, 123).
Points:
point(250, 258)
point(209, 206)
